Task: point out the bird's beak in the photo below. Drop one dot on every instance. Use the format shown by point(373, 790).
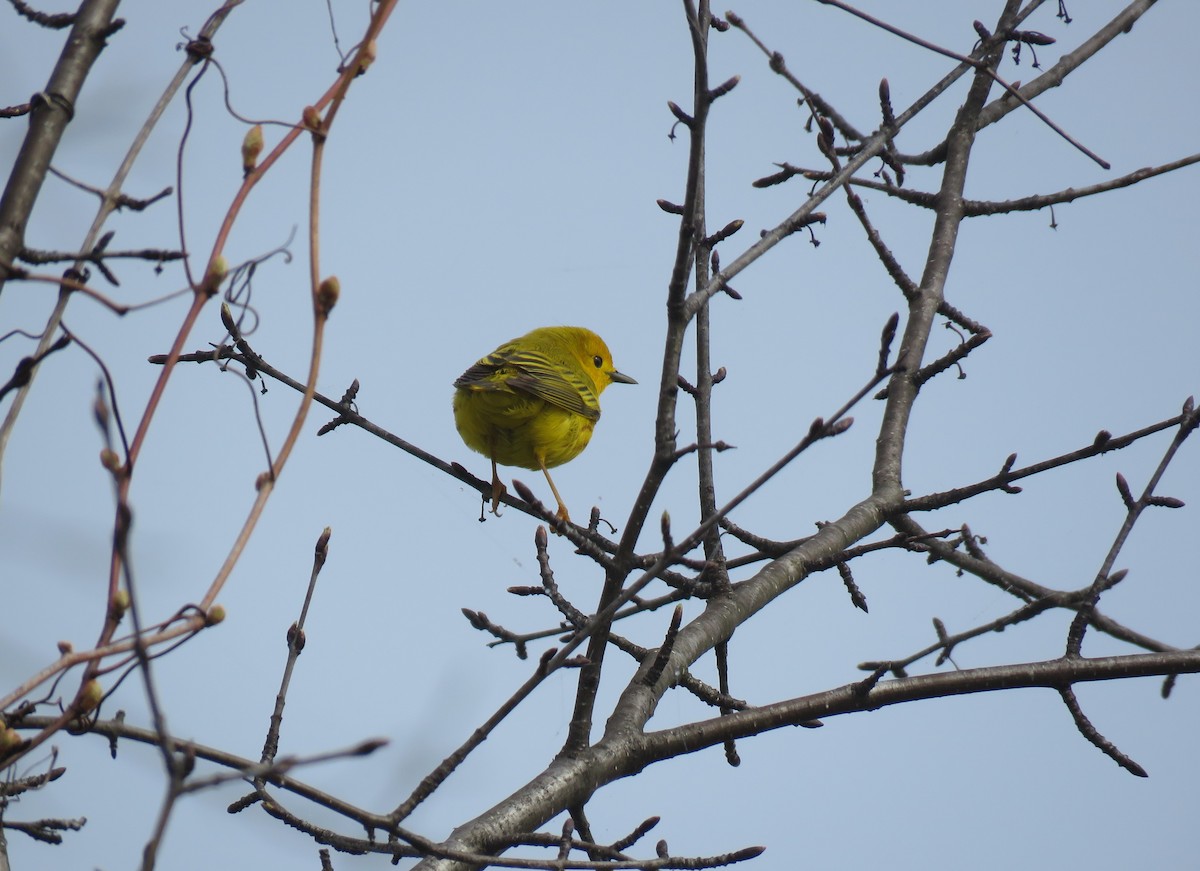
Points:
point(620, 377)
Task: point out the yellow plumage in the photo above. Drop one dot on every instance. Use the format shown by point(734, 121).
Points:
point(534, 401)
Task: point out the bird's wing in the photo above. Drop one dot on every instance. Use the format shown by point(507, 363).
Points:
point(530, 371)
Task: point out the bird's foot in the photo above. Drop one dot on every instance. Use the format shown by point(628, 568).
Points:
point(499, 491)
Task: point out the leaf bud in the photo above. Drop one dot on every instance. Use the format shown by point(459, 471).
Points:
point(252, 146)
point(328, 292)
point(119, 605)
point(90, 696)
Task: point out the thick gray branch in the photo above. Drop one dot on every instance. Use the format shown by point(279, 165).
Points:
point(53, 110)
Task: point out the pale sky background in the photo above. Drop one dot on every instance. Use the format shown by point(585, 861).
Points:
point(497, 170)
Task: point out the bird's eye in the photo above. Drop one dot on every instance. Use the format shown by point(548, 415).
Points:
point(598, 361)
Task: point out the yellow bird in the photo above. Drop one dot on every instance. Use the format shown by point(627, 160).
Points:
point(534, 401)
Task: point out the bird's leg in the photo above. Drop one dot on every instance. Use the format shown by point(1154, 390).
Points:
point(498, 488)
point(562, 508)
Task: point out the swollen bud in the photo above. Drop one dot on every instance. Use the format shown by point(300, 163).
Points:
point(90, 696)
point(252, 146)
point(328, 292)
point(215, 615)
point(217, 270)
point(119, 605)
point(367, 57)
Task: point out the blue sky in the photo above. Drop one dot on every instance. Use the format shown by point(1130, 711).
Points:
point(497, 170)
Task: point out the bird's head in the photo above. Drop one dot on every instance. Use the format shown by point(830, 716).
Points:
point(594, 357)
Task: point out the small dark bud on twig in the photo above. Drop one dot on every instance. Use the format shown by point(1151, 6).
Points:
point(524, 492)
point(296, 637)
point(885, 103)
point(321, 551)
point(1008, 464)
point(725, 232)
point(885, 342)
point(1126, 494)
point(1115, 578)
point(825, 137)
point(724, 88)
point(682, 116)
point(1032, 37)
point(785, 172)
point(856, 597)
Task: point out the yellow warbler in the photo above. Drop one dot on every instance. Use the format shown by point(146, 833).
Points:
point(534, 401)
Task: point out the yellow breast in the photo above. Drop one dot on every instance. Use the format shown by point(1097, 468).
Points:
point(517, 429)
